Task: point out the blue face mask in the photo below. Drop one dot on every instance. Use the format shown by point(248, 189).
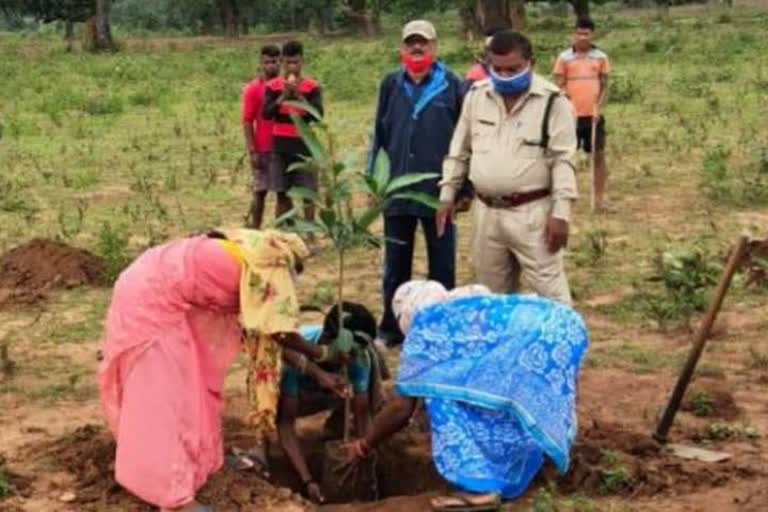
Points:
point(511, 85)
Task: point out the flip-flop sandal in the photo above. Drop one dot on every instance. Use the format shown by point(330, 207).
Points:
point(241, 460)
point(466, 504)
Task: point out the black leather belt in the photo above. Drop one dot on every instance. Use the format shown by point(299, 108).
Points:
point(512, 200)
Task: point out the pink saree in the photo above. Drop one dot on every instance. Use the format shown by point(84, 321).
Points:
point(172, 331)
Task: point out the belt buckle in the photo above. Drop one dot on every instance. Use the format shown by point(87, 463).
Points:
point(498, 202)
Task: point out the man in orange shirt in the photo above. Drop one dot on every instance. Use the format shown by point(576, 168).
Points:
point(582, 72)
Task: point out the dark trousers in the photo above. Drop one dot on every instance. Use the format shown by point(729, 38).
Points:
point(398, 263)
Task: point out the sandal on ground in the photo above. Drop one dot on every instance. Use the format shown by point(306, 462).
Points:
point(466, 502)
point(198, 507)
point(242, 460)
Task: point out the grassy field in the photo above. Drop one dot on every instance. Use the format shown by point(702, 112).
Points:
point(115, 153)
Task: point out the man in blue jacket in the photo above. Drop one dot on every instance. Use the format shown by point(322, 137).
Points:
point(419, 105)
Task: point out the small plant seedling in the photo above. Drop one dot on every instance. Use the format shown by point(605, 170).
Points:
point(703, 405)
point(5, 485)
point(614, 479)
point(113, 247)
point(544, 501)
point(7, 365)
point(595, 246)
point(337, 219)
point(729, 431)
point(609, 457)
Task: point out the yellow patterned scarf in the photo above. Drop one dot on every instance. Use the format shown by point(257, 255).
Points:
point(268, 306)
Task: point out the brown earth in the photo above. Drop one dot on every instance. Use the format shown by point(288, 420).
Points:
point(610, 458)
point(28, 272)
point(84, 461)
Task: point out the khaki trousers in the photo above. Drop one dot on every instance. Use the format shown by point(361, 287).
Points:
point(509, 245)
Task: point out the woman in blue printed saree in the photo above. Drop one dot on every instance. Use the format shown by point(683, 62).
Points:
point(498, 374)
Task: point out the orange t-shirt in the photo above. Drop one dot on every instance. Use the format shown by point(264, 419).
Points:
point(582, 72)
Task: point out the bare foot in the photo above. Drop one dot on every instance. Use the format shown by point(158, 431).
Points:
point(466, 502)
point(314, 494)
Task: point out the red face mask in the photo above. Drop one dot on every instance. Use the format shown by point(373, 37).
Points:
point(416, 65)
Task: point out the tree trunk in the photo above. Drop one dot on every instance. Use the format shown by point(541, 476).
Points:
point(69, 33)
point(486, 14)
point(98, 32)
point(580, 8)
point(206, 23)
point(229, 11)
point(364, 22)
point(663, 6)
point(376, 15)
point(517, 14)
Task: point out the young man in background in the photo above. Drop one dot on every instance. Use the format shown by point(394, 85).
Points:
point(582, 73)
point(288, 147)
point(258, 131)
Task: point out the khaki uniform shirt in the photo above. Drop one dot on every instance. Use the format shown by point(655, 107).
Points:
point(499, 149)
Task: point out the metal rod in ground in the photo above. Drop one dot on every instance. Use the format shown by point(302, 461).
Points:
point(734, 260)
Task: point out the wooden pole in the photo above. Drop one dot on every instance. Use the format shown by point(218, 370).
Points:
point(734, 260)
point(593, 140)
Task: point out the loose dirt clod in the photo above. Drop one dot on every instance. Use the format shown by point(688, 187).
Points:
point(28, 272)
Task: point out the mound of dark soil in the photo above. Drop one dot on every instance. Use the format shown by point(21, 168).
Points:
point(28, 272)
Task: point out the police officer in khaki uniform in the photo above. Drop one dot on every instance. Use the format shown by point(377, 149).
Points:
point(516, 139)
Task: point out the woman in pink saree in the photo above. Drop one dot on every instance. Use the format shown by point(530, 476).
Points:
point(173, 328)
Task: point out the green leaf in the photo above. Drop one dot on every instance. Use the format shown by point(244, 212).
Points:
point(338, 168)
point(381, 171)
point(288, 216)
point(303, 166)
point(328, 216)
point(370, 184)
point(306, 226)
point(368, 217)
point(344, 341)
point(303, 105)
point(419, 197)
point(309, 137)
point(304, 193)
point(409, 179)
point(349, 160)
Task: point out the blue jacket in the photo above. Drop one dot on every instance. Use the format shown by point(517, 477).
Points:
point(414, 125)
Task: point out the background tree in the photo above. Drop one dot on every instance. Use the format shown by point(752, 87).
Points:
point(481, 15)
point(365, 18)
point(97, 29)
point(95, 14)
point(580, 8)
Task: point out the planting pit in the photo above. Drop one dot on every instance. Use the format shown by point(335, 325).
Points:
point(607, 459)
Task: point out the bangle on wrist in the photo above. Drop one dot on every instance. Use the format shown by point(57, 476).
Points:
point(325, 353)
